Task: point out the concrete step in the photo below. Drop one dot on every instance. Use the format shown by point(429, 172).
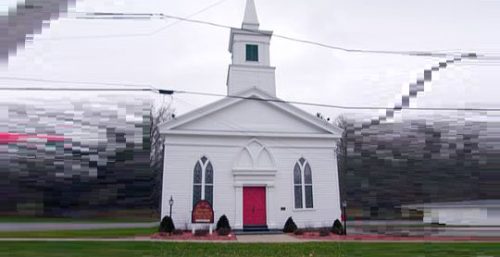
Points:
point(258, 232)
point(255, 228)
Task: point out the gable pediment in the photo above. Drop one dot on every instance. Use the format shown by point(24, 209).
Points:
point(250, 116)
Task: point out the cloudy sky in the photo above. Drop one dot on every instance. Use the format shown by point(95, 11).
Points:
point(185, 56)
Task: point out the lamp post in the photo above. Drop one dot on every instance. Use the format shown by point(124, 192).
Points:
point(344, 207)
point(171, 202)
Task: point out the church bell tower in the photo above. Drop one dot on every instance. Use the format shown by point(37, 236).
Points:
point(249, 46)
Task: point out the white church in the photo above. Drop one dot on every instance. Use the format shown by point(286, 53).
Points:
point(256, 161)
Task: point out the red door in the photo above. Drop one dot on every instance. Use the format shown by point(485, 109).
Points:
point(254, 206)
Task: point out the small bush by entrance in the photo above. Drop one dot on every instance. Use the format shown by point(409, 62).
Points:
point(223, 228)
point(223, 222)
point(167, 225)
point(337, 228)
point(290, 226)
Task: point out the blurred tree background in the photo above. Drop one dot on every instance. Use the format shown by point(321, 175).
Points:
point(417, 160)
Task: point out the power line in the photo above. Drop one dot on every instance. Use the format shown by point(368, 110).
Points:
point(77, 82)
point(190, 16)
point(78, 89)
point(463, 54)
point(413, 90)
point(132, 16)
point(251, 98)
point(338, 106)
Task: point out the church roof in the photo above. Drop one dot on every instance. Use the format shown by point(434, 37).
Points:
point(322, 128)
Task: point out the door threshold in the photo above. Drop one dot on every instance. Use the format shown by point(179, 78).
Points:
point(258, 232)
point(255, 228)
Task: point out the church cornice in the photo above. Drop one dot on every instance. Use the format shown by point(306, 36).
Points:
point(252, 67)
point(247, 134)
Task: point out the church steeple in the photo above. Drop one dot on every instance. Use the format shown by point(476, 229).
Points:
point(249, 46)
point(250, 21)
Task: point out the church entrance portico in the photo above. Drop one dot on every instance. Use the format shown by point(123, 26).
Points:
point(254, 208)
point(254, 174)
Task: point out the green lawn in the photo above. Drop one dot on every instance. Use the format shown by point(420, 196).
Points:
point(149, 249)
point(90, 233)
point(23, 219)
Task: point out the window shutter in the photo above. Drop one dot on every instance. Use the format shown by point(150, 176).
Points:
point(252, 53)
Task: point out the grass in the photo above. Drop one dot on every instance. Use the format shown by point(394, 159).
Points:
point(143, 249)
point(24, 219)
point(89, 233)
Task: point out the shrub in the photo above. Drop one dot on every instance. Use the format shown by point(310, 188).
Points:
point(290, 226)
point(223, 222)
point(167, 225)
point(201, 233)
point(299, 232)
point(324, 232)
point(223, 231)
point(337, 228)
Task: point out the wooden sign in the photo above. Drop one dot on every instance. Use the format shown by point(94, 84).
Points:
point(202, 212)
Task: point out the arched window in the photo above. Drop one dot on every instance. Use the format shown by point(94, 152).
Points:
point(302, 184)
point(203, 181)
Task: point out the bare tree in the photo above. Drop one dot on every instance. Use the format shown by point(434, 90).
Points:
point(341, 151)
point(159, 115)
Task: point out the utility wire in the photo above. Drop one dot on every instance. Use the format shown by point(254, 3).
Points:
point(251, 98)
point(77, 82)
point(78, 89)
point(413, 90)
point(99, 15)
point(337, 106)
point(130, 16)
point(189, 16)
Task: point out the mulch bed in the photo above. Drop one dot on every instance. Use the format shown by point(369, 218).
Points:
point(187, 235)
point(333, 237)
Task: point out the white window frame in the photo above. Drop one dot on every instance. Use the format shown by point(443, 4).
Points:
point(302, 168)
point(203, 183)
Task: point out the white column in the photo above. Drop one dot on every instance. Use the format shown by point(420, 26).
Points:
point(238, 207)
point(271, 206)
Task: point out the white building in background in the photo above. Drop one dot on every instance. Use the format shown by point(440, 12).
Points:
point(256, 161)
point(470, 213)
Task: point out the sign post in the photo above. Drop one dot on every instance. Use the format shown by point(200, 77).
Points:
point(344, 216)
point(203, 213)
point(171, 202)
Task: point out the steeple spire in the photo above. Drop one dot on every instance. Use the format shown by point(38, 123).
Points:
point(250, 21)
